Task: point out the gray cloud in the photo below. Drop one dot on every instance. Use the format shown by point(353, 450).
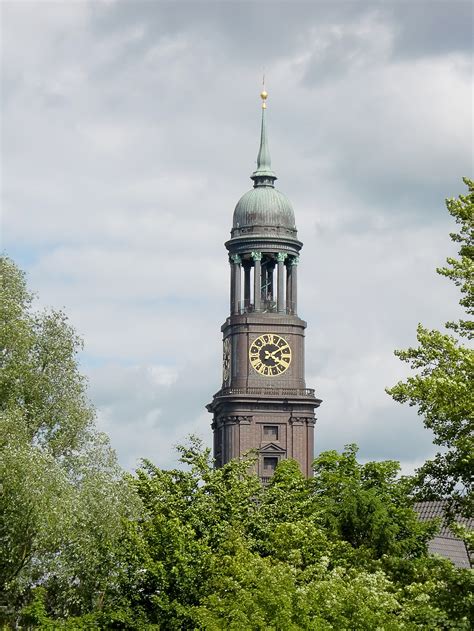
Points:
point(425, 28)
point(263, 30)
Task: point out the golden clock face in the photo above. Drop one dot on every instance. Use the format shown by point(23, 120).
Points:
point(226, 360)
point(270, 355)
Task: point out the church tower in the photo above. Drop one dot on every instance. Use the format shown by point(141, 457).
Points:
point(264, 403)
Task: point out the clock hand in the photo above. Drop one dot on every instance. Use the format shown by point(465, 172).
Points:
point(278, 360)
point(269, 355)
point(278, 350)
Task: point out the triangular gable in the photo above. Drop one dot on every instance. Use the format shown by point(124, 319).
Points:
point(272, 448)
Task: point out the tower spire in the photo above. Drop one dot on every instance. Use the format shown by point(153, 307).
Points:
point(263, 176)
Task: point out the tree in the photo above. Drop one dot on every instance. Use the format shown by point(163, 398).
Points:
point(368, 505)
point(63, 496)
point(443, 386)
point(215, 550)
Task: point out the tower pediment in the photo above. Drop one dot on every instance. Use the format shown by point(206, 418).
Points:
point(272, 448)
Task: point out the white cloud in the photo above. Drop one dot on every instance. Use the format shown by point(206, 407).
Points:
point(148, 409)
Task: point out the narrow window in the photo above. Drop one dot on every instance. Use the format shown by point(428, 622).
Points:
point(269, 465)
point(270, 432)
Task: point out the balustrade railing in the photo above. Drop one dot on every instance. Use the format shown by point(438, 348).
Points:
point(266, 306)
point(277, 392)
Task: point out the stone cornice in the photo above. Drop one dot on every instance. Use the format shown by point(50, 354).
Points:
point(262, 243)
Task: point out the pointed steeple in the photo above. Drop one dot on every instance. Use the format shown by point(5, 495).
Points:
point(263, 176)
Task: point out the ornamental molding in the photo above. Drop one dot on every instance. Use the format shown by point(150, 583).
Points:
point(270, 230)
point(235, 420)
point(301, 420)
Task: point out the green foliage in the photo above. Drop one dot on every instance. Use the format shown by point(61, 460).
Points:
point(63, 497)
point(442, 387)
point(251, 592)
point(38, 370)
point(461, 270)
point(273, 559)
point(215, 550)
point(367, 505)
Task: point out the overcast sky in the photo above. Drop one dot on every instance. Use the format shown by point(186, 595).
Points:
point(129, 131)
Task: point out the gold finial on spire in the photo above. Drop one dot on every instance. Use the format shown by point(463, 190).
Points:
point(263, 94)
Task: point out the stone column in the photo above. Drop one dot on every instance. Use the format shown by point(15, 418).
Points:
point(236, 438)
point(297, 427)
point(232, 290)
point(247, 285)
point(281, 281)
point(215, 437)
point(310, 442)
point(227, 441)
point(294, 284)
point(257, 281)
point(289, 267)
point(236, 260)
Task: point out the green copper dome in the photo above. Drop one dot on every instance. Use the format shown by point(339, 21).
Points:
point(264, 210)
point(263, 207)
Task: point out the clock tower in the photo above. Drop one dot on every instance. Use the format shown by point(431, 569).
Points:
point(264, 403)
